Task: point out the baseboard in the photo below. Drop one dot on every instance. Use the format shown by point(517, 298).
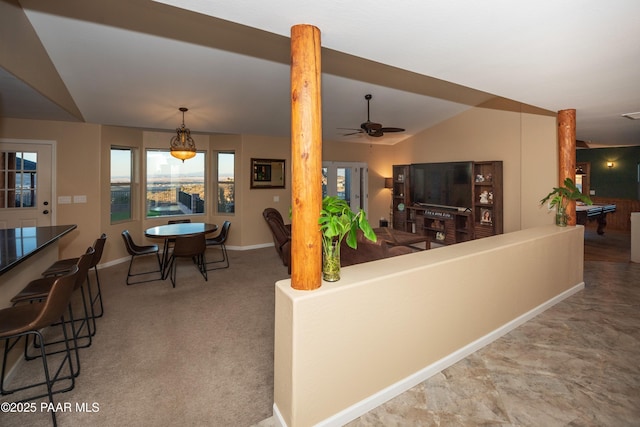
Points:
point(229, 248)
point(377, 399)
point(250, 247)
point(277, 417)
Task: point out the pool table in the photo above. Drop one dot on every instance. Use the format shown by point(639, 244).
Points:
point(598, 213)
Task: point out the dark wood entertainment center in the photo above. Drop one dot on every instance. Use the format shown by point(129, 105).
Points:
point(482, 217)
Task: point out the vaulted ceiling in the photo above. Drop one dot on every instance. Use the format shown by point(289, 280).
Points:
point(135, 62)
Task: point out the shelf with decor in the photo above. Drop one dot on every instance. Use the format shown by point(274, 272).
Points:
point(442, 226)
point(401, 198)
point(487, 201)
point(454, 201)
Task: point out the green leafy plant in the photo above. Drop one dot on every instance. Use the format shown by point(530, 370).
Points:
point(560, 196)
point(338, 221)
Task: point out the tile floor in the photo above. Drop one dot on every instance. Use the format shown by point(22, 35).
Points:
point(576, 364)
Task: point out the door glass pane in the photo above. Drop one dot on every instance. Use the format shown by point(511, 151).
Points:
point(18, 179)
point(324, 182)
point(343, 184)
point(579, 182)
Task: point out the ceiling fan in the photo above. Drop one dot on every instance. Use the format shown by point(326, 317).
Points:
point(370, 128)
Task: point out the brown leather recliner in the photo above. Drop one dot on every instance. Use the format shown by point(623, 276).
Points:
point(366, 251)
point(369, 251)
point(281, 235)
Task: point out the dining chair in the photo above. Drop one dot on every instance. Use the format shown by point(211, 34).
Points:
point(27, 320)
point(194, 247)
point(179, 221)
point(135, 251)
point(220, 241)
point(170, 242)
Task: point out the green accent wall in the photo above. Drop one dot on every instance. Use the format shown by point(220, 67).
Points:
point(620, 181)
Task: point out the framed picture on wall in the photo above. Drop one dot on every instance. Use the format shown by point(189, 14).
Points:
point(486, 216)
point(267, 173)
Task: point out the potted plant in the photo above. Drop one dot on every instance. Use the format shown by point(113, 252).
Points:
point(560, 197)
point(338, 221)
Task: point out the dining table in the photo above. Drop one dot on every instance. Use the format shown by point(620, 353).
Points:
point(170, 232)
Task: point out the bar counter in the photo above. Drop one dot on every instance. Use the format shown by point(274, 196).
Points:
point(24, 254)
point(18, 244)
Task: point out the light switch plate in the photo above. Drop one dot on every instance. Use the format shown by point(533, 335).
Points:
point(79, 199)
point(64, 200)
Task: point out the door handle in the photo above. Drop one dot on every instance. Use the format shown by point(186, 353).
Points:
point(45, 212)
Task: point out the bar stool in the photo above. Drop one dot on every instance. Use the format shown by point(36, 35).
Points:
point(63, 265)
point(39, 289)
point(27, 320)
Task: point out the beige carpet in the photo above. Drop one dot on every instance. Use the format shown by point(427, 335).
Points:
point(199, 355)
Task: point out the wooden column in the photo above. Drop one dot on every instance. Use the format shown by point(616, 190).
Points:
point(306, 158)
point(567, 150)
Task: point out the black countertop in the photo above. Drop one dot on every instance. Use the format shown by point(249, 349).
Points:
point(18, 244)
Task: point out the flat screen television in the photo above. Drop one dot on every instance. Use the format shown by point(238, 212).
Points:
point(447, 185)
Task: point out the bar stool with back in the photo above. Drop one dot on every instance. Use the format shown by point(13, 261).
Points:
point(26, 320)
point(38, 290)
point(63, 265)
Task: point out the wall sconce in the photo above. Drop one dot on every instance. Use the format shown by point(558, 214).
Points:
point(388, 183)
point(609, 165)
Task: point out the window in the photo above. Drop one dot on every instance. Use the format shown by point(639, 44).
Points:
point(226, 182)
point(18, 173)
point(174, 187)
point(121, 167)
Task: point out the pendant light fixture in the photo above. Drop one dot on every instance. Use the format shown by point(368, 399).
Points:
point(183, 146)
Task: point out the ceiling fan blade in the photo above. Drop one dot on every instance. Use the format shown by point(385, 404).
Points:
point(581, 144)
point(352, 133)
point(370, 128)
point(392, 129)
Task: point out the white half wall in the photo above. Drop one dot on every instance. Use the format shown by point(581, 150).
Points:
point(387, 325)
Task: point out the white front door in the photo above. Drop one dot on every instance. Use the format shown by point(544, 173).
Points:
point(26, 190)
point(347, 181)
